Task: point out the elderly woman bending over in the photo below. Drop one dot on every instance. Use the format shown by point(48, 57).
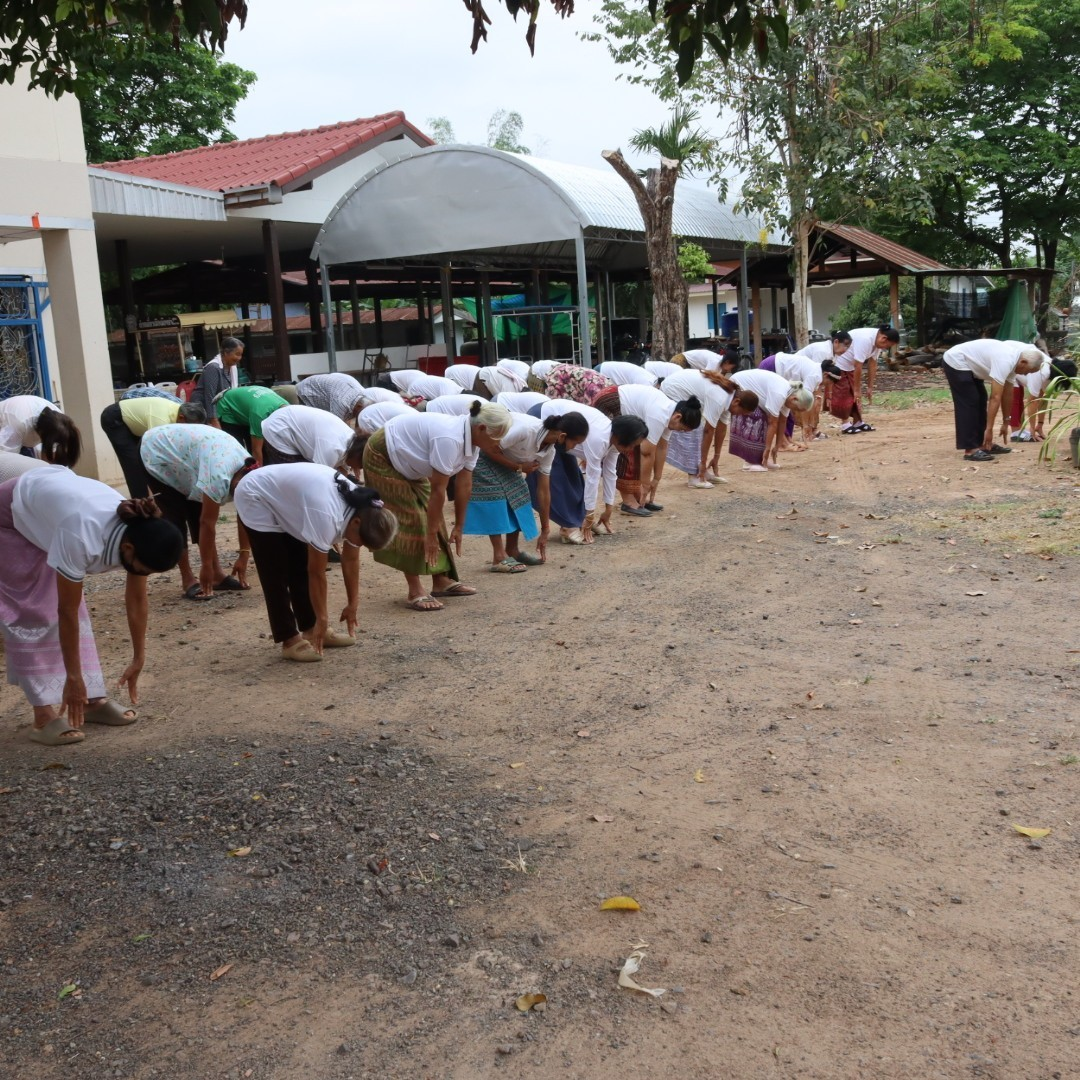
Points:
point(55, 528)
point(411, 461)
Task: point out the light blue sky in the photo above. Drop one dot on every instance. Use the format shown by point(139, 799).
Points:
point(329, 60)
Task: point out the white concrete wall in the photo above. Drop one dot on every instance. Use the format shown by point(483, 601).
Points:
point(824, 302)
point(353, 359)
point(43, 174)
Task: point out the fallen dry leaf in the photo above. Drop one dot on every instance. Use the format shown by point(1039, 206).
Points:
point(602, 818)
point(584, 733)
point(975, 592)
point(630, 969)
point(854, 622)
point(620, 903)
point(240, 852)
point(699, 777)
point(860, 588)
point(1035, 834)
point(6, 790)
point(223, 970)
point(529, 1001)
point(516, 764)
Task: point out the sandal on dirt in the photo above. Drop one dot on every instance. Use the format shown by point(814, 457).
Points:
point(508, 566)
point(979, 455)
point(302, 651)
point(229, 584)
point(109, 713)
point(57, 732)
point(574, 536)
point(864, 426)
point(527, 559)
point(995, 449)
point(425, 603)
point(194, 592)
point(459, 588)
point(337, 639)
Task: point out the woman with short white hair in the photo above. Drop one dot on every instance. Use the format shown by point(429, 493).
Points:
point(411, 461)
point(754, 438)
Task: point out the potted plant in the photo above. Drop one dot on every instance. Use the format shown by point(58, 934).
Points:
point(1062, 410)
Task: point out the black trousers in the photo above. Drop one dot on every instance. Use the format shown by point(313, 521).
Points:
point(240, 432)
point(126, 446)
point(184, 513)
point(969, 399)
point(282, 564)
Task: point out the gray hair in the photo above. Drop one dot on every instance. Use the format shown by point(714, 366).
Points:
point(1032, 355)
point(192, 413)
point(496, 418)
point(803, 399)
point(231, 344)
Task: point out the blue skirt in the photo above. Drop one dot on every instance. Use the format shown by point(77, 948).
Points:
point(500, 502)
point(567, 487)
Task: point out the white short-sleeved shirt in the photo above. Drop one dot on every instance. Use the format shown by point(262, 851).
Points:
point(649, 404)
point(715, 400)
point(335, 393)
point(623, 373)
point(987, 358)
point(463, 374)
point(18, 415)
point(522, 442)
point(796, 368)
point(662, 369)
point(542, 368)
point(424, 443)
point(299, 500)
point(818, 351)
point(1035, 382)
point(520, 401)
point(373, 417)
point(703, 359)
point(375, 394)
point(772, 389)
point(404, 379)
point(504, 377)
point(453, 404)
point(596, 451)
point(194, 459)
point(430, 387)
point(309, 433)
point(71, 518)
point(863, 346)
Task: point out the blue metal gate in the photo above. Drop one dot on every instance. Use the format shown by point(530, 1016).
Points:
point(24, 367)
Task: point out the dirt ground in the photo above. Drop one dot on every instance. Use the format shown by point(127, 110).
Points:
point(796, 718)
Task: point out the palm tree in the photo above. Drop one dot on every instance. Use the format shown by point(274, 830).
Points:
point(681, 148)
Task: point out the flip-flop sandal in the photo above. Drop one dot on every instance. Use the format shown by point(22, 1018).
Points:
point(229, 584)
point(865, 427)
point(109, 713)
point(425, 603)
point(995, 449)
point(508, 566)
point(194, 592)
point(302, 651)
point(57, 732)
point(528, 559)
point(459, 588)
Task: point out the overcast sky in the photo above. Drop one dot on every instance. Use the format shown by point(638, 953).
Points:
point(324, 61)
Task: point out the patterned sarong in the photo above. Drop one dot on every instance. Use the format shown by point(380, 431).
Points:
point(747, 436)
point(500, 502)
point(28, 605)
point(408, 499)
point(842, 403)
point(684, 451)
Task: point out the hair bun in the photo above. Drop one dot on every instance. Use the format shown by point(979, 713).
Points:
point(475, 407)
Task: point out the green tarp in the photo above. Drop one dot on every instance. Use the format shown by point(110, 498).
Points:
point(1018, 322)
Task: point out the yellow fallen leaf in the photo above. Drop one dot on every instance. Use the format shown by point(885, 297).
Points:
point(699, 777)
point(240, 852)
point(1035, 834)
point(620, 903)
point(629, 969)
point(516, 764)
point(223, 970)
point(529, 1001)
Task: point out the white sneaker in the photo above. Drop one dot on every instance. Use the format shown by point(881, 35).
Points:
point(773, 465)
point(713, 478)
point(754, 468)
point(694, 482)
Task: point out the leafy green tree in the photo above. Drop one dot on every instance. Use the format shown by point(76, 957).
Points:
point(147, 97)
point(441, 130)
point(866, 305)
point(503, 131)
point(681, 147)
point(52, 39)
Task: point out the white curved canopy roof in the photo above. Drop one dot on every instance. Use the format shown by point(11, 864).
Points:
point(444, 201)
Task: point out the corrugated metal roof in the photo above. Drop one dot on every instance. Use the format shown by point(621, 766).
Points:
point(136, 196)
point(278, 160)
point(884, 249)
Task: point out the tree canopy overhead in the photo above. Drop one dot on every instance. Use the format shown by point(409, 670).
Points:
point(148, 97)
point(53, 39)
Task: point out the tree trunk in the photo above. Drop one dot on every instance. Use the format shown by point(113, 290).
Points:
point(801, 241)
point(655, 198)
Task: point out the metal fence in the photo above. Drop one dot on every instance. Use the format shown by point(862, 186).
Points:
point(23, 364)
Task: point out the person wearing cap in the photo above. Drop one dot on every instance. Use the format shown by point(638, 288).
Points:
point(968, 367)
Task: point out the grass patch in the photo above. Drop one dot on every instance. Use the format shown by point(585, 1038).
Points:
point(1027, 528)
point(910, 399)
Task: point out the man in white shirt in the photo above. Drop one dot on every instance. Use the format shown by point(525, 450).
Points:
point(967, 367)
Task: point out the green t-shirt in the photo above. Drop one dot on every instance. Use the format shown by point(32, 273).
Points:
point(249, 406)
